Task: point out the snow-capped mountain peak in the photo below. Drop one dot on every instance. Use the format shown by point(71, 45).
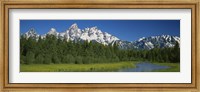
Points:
point(31, 33)
point(140, 39)
point(94, 34)
point(157, 41)
point(73, 33)
point(53, 31)
point(73, 26)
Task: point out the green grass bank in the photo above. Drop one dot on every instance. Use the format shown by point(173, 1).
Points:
point(106, 67)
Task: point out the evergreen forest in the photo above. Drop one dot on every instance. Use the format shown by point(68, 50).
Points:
point(52, 50)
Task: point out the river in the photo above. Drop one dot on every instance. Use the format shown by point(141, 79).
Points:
point(144, 67)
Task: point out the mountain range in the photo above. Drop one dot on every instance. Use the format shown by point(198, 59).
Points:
point(74, 33)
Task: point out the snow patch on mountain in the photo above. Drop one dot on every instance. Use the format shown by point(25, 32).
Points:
point(157, 41)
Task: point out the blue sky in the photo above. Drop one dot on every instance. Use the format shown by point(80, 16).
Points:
point(128, 30)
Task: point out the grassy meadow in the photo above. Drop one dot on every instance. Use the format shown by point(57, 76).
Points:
point(104, 67)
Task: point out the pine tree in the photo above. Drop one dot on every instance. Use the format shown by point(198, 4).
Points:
point(30, 57)
point(39, 59)
point(48, 59)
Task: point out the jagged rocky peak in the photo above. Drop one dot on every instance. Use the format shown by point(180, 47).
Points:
point(53, 31)
point(95, 34)
point(74, 26)
point(93, 30)
point(140, 39)
point(157, 41)
point(31, 33)
point(74, 30)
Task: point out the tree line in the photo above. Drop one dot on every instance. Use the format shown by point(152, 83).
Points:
point(52, 50)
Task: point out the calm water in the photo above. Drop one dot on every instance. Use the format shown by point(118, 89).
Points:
point(144, 67)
